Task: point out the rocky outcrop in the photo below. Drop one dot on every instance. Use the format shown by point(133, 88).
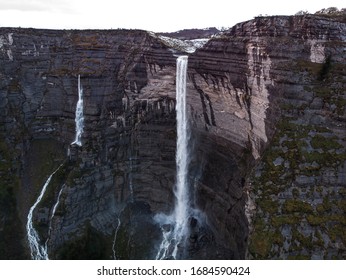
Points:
point(267, 112)
point(191, 34)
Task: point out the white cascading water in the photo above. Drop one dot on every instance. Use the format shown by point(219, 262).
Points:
point(57, 203)
point(176, 234)
point(115, 239)
point(131, 177)
point(38, 252)
point(79, 118)
point(52, 216)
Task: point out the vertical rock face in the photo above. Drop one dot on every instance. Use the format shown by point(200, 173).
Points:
point(128, 143)
point(282, 77)
point(271, 84)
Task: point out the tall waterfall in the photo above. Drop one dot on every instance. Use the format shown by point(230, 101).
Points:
point(38, 252)
point(79, 118)
point(182, 155)
point(175, 236)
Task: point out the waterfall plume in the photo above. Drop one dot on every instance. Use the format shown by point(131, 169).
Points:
point(174, 236)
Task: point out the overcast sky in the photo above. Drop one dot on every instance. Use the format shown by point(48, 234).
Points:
point(154, 15)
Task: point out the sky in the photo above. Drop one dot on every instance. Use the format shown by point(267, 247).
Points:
point(152, 15)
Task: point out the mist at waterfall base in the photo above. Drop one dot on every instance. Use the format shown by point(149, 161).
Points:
point(175, 227)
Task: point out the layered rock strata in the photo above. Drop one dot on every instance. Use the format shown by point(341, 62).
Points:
point(267, 113)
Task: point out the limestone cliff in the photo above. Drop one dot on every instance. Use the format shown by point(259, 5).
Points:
point(128, 136)
point(267, 109)
point(281, 77)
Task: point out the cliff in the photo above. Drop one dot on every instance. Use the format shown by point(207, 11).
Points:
point(283, 81)
point(128, 134)
point(267, 110)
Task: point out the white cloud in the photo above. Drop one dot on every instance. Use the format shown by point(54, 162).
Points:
point(35, 5)
point(155, 15)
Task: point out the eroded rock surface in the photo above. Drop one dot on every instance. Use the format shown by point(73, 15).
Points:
point(273, 84)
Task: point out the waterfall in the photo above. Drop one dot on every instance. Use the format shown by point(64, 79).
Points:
point(79, 118)
point(130, 177)
point(182, 156)
point(174, 236)
point(52, 216)
point(57, 203)
point(38, 252)
point(115, 238)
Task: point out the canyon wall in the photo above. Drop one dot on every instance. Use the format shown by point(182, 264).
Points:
point(266, 101)
point(275, 87)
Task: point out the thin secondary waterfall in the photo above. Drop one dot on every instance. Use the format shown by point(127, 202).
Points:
point(38, 252)
point(57, 203)
point(79, 118)
point(115, 239)
point(175, 236)
point(130, 176)
point(52, 216)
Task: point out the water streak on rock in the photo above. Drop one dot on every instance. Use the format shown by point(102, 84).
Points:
point(79, 119)
point(38, 252)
